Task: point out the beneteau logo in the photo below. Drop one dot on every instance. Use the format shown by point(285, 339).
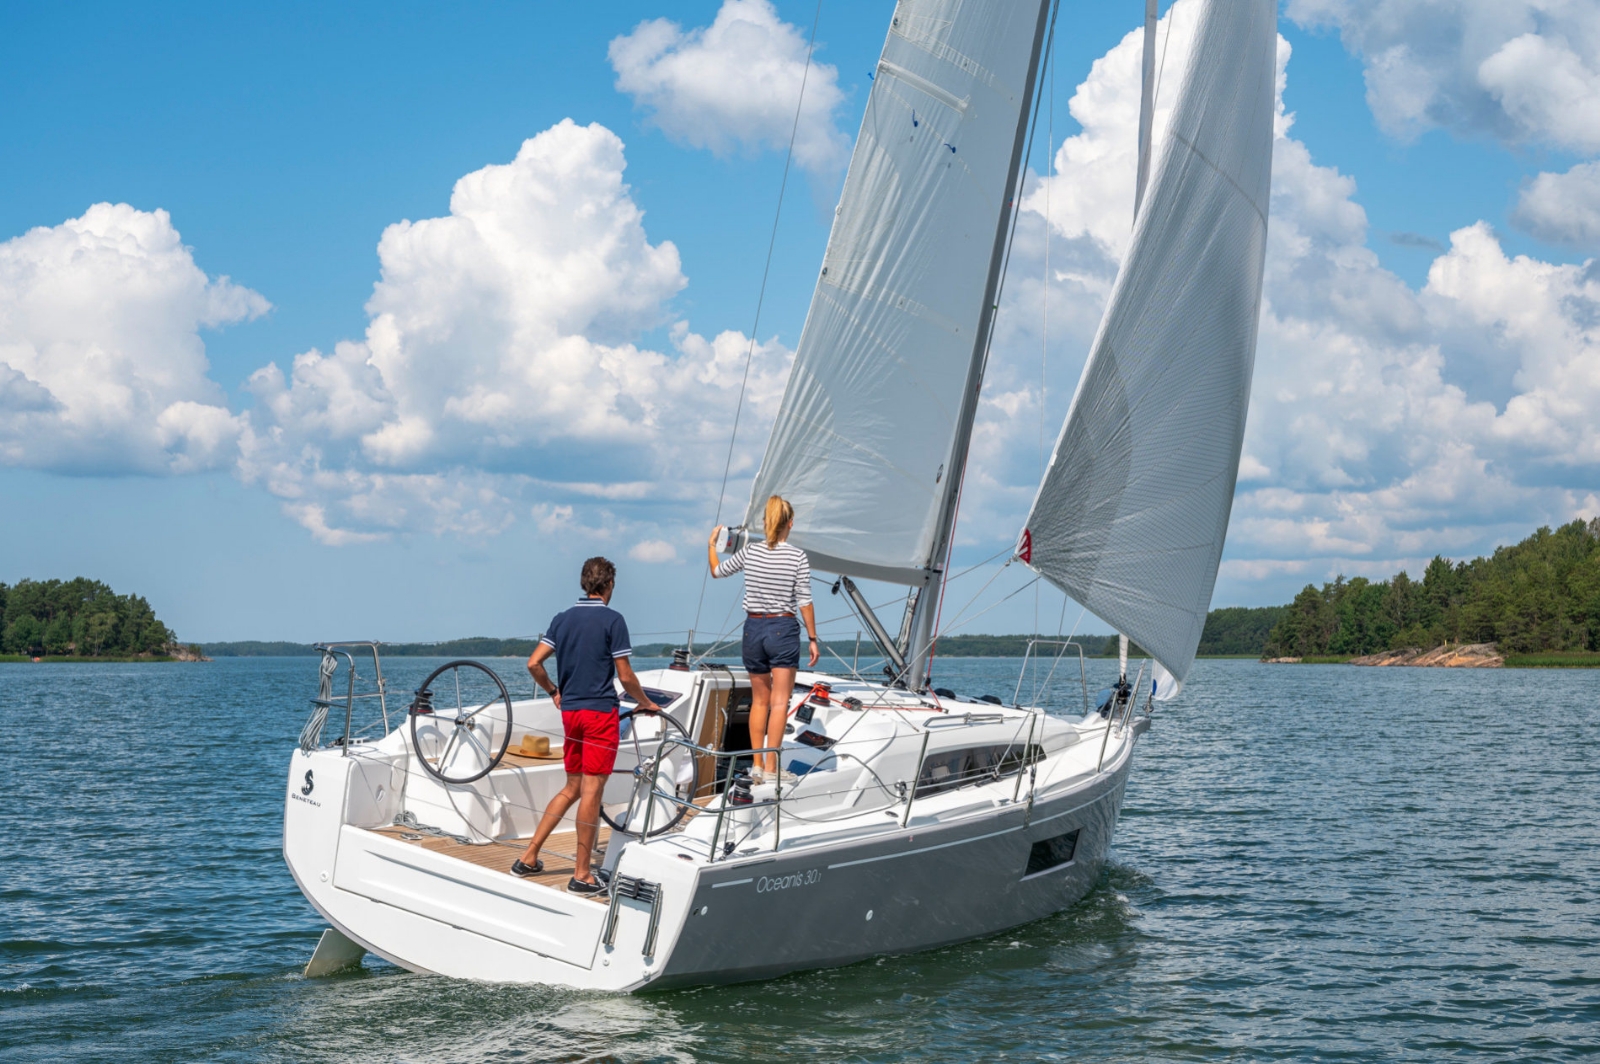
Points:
point(305, 790)
point(1025, 548)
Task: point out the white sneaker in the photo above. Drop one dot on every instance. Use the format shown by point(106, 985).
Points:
point(786, 777)
point(758, 776)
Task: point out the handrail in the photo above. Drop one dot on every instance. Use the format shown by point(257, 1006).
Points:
point(1083, 671)
point(911, 796)
point(325, 701)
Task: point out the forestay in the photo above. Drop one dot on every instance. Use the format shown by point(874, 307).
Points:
point(1132, 512)
point(873, 428)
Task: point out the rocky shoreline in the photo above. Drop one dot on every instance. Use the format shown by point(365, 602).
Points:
point(1458, 656)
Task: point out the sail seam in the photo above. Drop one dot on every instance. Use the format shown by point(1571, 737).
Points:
point(923, 85)
point(892, 351)
point(946, 54)
point(881, 461)
point(883, 294)
point(1180, 138)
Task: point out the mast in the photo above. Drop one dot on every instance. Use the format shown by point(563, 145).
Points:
point(924, 611)
point(1147, 104)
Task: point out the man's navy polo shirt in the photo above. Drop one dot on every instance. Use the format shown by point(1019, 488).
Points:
point(587, 639)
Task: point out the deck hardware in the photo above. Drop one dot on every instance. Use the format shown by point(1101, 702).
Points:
point(965, 719)
point(311, 734)
point(912, 795)
point(1017, 790)
point(639, 890)
point(1125, 700)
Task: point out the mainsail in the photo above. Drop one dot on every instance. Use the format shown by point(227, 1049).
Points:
point(870, 441)
point(1132, 512)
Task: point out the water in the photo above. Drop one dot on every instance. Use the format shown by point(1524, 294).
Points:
point(1314, 863)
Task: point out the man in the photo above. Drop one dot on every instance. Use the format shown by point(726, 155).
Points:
point(590, 644)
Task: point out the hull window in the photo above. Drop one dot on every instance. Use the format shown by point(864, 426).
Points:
point(949, 769)
point(1051, 853)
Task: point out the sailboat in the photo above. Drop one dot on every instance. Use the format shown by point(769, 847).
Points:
point(917, 818)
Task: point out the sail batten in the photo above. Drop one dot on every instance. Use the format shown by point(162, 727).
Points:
point(870, 439)
point(1133, 509)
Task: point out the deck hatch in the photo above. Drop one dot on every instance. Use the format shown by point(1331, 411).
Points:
point(1051, 853)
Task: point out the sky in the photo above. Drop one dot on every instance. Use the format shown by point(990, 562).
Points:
point(373, 321)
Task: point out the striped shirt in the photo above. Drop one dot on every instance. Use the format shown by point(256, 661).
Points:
point(776, 580)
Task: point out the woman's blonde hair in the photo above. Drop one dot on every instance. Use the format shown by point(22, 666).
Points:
point(780, 515)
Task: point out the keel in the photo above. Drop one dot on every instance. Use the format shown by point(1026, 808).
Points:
point(334, 953)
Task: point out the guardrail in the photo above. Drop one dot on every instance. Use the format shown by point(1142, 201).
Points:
point(311, 734)
point(722, 844)
point(1040, 689)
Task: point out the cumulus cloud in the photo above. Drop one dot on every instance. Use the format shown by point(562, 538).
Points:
point(499, 362)
point(653, 551)
point(102, 368)
point(1563, 208)
point(734, 85)
point(1518, 70)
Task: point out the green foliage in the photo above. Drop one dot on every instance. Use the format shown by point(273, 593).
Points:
point(256, 648)
point(1559, 659)
point(1239, 629)
point(82, 618)
point(474, 647)
point(1541, 595)
point(998, 646)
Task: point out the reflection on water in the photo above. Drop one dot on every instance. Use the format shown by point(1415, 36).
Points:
point(1313, 862)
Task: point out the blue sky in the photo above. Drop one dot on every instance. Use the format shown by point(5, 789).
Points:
point(1396, 414)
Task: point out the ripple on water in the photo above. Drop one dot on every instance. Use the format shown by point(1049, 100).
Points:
point(1314, 862)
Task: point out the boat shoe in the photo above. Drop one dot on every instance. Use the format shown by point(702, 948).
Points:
point(524, 871)
point(585, 890)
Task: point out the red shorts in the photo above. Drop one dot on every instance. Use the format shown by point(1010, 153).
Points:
point(591, 741)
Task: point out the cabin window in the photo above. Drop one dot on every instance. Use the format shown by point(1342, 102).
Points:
point(1051, 853)
point(949, 769)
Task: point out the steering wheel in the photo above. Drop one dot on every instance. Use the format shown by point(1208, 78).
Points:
point(654, 771)
point(461, 731)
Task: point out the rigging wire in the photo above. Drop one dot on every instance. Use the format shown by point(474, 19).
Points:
point(959, 622)
point(761, 295)
point(1155, 94)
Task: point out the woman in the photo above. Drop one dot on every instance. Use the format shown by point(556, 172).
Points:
point(777, 585)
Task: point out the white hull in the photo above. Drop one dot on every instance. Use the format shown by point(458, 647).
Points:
point(848, 872)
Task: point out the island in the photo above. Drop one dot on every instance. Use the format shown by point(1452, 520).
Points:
point(1533, 604)
point(83, 620)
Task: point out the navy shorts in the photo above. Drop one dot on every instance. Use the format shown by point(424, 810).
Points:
point(771, 643)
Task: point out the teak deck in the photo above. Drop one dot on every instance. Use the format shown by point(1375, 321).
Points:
point(557, 853)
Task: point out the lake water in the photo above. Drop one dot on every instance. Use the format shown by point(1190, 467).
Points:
point(1314, 863)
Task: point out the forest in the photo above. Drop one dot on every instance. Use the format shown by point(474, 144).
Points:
point(81, 618)
point(1540, 595)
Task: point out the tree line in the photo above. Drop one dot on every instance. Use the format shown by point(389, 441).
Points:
point(78, 617)
point(1540, 595)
